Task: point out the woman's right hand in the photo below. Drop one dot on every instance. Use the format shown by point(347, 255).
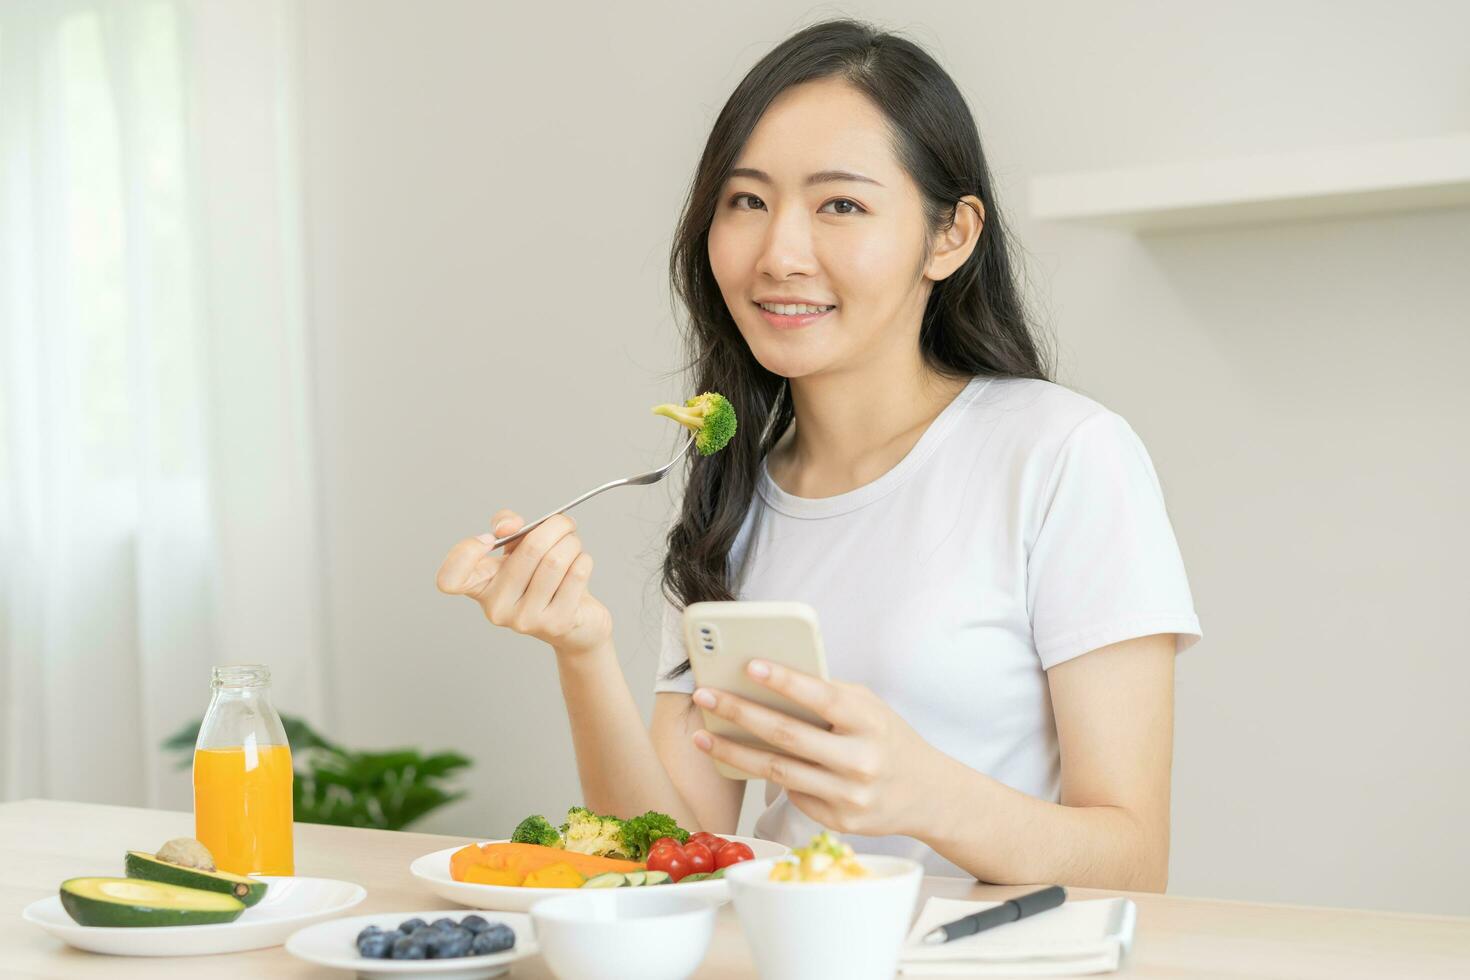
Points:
point(536, 586)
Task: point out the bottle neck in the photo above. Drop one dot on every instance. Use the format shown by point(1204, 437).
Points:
point(241, 677)
point(240, 710)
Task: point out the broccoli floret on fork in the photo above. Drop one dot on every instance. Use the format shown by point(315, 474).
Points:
point(710, 416)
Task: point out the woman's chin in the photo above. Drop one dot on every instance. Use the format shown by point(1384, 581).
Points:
point(791, 365)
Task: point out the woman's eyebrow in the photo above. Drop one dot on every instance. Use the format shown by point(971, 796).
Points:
point(820, 177)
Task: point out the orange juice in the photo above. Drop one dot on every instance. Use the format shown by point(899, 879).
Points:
point(242, 808)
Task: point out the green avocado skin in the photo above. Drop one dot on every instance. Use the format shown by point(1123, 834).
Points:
point(89, 911)
point(140, 865)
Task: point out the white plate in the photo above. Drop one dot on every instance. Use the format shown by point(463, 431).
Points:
point(433, 871)
point(335, 944)
point(289, 904)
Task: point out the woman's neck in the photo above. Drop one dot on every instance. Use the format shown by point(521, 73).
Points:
point(854, 426)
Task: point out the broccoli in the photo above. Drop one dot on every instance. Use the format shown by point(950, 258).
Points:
point(536, 830)
point(710, 415)
point(589, 833)
point(639, 833)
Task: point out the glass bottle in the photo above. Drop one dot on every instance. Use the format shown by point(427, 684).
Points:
point(242, 776)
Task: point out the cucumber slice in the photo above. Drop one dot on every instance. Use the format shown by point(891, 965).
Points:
point(137, 902)
point(656, 878)
point(138, 864)
point(703, 876)
point(636, 878)
point(608, 879)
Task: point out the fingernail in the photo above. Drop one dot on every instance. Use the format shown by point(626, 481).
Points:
point(703, 742)
point(485, 538)
point(503, 528)
point(704, 698)
point(759, 668)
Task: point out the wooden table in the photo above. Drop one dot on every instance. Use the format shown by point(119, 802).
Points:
point(43, 841)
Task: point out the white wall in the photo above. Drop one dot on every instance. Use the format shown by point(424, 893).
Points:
point(490, 196)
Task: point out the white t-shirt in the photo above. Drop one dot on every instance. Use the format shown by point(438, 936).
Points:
point(1025, 527)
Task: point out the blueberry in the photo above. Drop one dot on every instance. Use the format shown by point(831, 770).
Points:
point(474, 923)
point(410, 948)
point(369, 931)
point(409, 925)
point(496, 938)
point(454, 944)
point(440, 939)
point(444, 924)
point(375, 945)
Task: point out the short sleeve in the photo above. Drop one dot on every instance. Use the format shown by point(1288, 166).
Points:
point(1104, 565)
point(671, 652)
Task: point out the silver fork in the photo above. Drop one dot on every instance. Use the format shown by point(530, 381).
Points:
point(641, 480)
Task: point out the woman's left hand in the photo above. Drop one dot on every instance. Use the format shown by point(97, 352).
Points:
point(864, 776)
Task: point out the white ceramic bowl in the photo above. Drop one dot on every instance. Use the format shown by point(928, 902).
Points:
point(659, 934)
point(840, 930)
point(433, 871)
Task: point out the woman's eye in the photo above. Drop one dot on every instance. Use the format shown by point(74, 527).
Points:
point(842, 200)
point(852, 207)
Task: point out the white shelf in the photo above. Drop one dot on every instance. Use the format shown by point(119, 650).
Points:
point(1402, 176)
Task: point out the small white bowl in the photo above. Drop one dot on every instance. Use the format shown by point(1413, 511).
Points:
point(656, 934)
point(826, 930)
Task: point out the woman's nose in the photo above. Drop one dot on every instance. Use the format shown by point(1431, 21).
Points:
point(787, 247)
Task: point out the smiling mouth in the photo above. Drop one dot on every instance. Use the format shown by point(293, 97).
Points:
point(795, 309)
point(793, 321)
point(790, 321)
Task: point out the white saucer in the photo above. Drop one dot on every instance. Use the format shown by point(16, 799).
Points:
point(289, 904)
point(334, 944)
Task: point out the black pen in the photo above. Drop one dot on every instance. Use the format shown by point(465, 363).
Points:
point(1016, 908)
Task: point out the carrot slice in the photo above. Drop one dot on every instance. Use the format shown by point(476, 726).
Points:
point(462, 860)
point(527, 858)
point(516, 861)
point(481, 875)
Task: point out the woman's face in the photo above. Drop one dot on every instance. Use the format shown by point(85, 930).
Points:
point(783, 230)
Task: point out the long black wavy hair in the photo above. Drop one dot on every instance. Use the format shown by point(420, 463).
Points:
point(974, 324)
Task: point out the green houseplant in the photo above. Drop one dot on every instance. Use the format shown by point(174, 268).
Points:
point(340, 786)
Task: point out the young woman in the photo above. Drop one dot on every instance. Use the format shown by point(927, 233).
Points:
point(989, 555)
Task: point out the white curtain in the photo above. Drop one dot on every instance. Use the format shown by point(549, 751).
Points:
point(157, 503)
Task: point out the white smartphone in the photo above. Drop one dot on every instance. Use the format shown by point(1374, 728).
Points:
point(720, 638)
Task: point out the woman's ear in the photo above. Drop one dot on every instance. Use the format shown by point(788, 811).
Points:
point(955, 243)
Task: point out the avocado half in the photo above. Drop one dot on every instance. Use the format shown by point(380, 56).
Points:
point(138, 864)
point(135, 902)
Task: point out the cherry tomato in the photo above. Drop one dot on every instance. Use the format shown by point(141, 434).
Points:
point(733, 853)
point(665, 840)
point(670, 859)
point(708, 839)
point(700, 858)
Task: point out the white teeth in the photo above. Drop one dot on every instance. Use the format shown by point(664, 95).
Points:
point(794, 309)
